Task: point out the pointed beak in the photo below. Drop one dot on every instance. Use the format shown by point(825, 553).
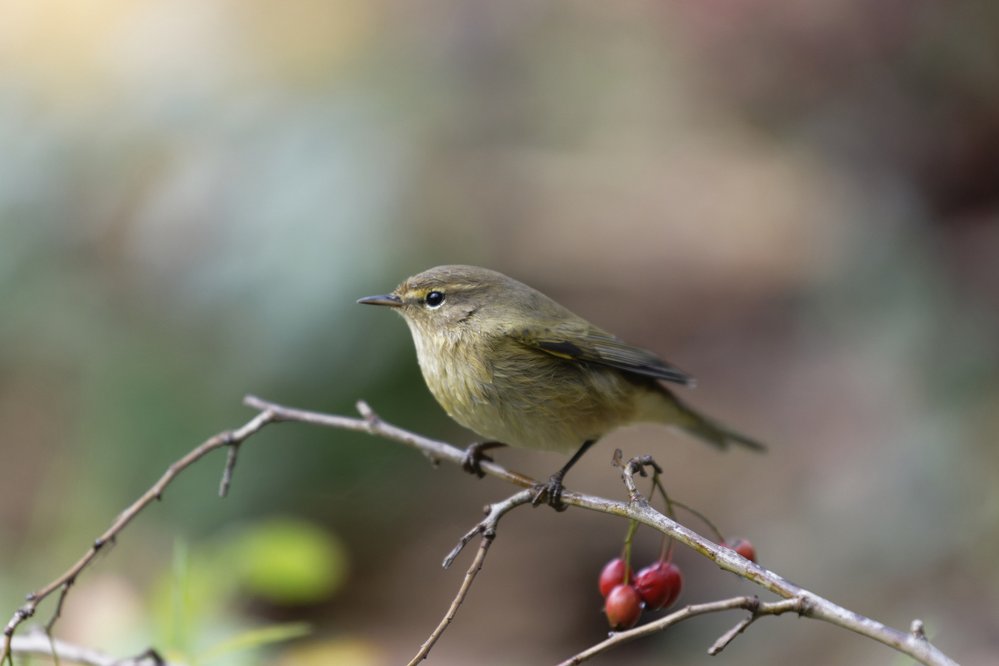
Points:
point(390, 300)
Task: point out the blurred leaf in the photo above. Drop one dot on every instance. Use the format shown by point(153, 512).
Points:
point(336, 652)
point(280, 560)
point(185, 599)
point(256, 638)
point(289, 561)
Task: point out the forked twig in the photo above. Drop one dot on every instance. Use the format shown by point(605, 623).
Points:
point(487, 528)
point(68, 578)
point(752, 604)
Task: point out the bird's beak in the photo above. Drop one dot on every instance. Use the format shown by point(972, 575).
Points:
point(390, 300)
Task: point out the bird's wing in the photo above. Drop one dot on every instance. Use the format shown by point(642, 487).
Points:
point(591, 345)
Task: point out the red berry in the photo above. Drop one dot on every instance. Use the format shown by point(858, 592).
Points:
point(743, 547)
point(614, 573)
point(659, 584)
point(622, 607)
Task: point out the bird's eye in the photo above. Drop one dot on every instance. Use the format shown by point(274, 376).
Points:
point(434, 299)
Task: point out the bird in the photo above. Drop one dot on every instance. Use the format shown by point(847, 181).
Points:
point(517, 368)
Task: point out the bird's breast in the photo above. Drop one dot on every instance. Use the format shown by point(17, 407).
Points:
point(460, 378)
point(507, 392)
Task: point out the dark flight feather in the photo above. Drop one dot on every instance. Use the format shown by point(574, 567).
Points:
point(594, 346)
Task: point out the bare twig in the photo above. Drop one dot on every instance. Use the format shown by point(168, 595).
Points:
point(634, 466)
point(57, 613)
point(912, 643)
point(757, 611)
point(40, 644)
point(487, 528)
point(67, 579)
point(230, 466)
point(752, 604)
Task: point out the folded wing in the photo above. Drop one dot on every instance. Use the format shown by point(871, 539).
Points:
point(589, 344)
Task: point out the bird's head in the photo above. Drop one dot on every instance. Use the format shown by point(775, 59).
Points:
point(448, 300)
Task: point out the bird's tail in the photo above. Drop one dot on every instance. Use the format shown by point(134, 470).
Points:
point(709, 430)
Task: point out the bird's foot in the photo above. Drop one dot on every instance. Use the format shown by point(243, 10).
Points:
point(474, 455)
point(550, 493)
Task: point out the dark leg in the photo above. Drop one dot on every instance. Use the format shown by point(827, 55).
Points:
point(552, 491)
point(474, 455)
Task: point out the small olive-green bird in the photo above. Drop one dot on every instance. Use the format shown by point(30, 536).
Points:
point(517, 368)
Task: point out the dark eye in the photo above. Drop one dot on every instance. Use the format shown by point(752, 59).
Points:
point(435, 299)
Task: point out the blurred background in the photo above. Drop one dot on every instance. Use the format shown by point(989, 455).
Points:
point(796, 202)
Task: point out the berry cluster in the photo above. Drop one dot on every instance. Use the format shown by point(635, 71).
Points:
point(655, 587)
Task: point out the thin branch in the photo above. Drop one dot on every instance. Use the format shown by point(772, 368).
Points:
point(57, 613)
point(634, 466)
point(487, 528)
point(230, 466)
point(436, 451)
point(39, 644)
point(66, 580)
point(752, 604)
point(757, 611)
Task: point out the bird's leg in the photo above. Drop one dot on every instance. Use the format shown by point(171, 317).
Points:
point(552, 491)
point(474, 455)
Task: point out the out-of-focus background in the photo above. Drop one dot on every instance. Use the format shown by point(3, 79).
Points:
point(797, 202)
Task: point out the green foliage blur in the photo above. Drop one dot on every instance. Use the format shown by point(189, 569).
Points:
point(797, 202)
